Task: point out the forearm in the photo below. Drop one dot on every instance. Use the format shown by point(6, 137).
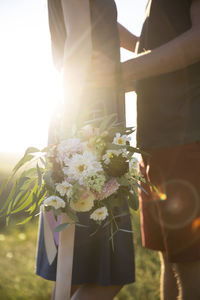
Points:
point(127, 39)
point(177, 54)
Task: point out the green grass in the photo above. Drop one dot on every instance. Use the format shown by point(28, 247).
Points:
point(17, 262)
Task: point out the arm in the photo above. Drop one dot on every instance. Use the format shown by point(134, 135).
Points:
point(57, 31)
point(174, 55)
point(127, 39)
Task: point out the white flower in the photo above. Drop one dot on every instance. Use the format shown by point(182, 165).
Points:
point(80, 166)
point(111, 153)
point(133, 164)
point(121, 139)
point(68, 147)
point(85, 201)
point(54, 201)
point(99, 214)
point(64, 188)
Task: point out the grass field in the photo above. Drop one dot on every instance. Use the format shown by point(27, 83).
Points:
point(17, 263)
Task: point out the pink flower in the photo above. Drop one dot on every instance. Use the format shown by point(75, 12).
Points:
point(108, 189)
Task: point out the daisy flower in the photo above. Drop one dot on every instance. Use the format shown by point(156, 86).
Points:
point(99, 214)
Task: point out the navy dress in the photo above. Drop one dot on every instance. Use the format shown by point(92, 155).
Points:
point(94, 259)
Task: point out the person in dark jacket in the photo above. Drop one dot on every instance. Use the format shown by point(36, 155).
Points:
point(166, 76)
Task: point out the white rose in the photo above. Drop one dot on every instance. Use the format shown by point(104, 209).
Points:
point(54, 201)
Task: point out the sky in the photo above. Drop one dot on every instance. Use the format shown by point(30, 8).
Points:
point(29, 83)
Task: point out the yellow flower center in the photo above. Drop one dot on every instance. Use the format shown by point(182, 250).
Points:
point(120, 141)
point(100, 213)
point(110, 155)
point(81, 168)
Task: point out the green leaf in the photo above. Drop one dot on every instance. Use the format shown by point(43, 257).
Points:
point(133, 200)
point(22, 161)
point(124, 230)
point(81, 225)
point(49, 182)
point(123, 181)
point(31, 209)
point(140, 187)
point(42, 196)
point(61, 227)
point(136, 150)
point(39, 175)
point(28, 200)
point(71, 214)
point(8, 200)
point(25, 221)
point(30, 173)
point(21, 204)
point(31, 150)
point(4, 185)
point(43, 161)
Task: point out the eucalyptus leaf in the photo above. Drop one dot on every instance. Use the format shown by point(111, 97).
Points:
point(124, 230)
point(61, 227)
point(136, 150)
point(21, 205)
point(25, 221)
point(39, 172)
point(7, 203)
point(71, 215)
point(22, 161)
point(31, 150)
point(30, 173)
point(32, 208)
point(4, 185)
point(81, 225)
point(44, 162)
point(133, 200)
point(140, 187)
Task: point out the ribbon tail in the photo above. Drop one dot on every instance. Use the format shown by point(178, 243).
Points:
point(65, 260)
point(50, 246)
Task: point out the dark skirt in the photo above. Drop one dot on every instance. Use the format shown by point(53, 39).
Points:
point(95, 260)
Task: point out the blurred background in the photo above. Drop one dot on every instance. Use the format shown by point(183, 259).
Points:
point(29, 89)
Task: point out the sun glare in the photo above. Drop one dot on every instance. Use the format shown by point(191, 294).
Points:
point(30, 85)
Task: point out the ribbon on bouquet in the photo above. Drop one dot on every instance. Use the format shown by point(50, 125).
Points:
point(65, 242)
point(76, 64)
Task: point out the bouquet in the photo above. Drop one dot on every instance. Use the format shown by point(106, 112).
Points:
point(93, 170)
